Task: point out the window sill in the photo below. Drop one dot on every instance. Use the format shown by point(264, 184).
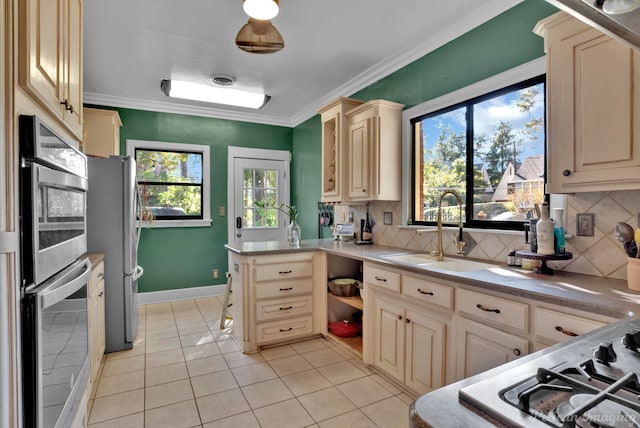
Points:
point(466, 229)
point(174, 223)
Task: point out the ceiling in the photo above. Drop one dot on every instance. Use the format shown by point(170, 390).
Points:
point(332, 48)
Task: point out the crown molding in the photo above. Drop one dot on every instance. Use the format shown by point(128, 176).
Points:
point(485, 11)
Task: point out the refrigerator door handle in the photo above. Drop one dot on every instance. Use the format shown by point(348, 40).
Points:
point(137, 273)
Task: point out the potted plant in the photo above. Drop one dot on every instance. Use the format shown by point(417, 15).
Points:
point(293, 229)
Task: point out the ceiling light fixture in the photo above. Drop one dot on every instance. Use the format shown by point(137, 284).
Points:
point(617, 7)
point(261, 9)
point(259, 37)
point(212, 94)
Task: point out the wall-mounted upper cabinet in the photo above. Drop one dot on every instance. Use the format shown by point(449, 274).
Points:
point(593, 108)
point(50, 54)
point(101, 132)
point(361, 150)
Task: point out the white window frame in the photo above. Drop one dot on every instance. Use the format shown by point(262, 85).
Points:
point(205, 221)
point(510, 77)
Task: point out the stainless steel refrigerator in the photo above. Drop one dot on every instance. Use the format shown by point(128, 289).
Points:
point(112, 207)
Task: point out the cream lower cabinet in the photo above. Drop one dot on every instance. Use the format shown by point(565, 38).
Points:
point(276, 299)
point(552, 326)
point(96, 321)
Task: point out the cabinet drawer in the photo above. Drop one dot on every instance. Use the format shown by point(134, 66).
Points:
point(292, 306)
point(284, 288)
point(499, 310)
point(382, 278)
point(427, 291)
point(97, 273)
point(287, 270)
point(558, 327)
point(285, 329)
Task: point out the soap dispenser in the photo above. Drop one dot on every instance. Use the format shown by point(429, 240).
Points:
point(546, 244)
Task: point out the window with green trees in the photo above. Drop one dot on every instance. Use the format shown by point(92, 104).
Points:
point(490, 150)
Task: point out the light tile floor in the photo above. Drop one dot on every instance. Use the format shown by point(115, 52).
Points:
point(184, 371)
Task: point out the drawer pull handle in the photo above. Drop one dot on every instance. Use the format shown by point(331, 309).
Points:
point(287, 308)
point(516, 352)
point(100, 294)
point(285, 272)
point(380, 279)
point(286, 289)
point(421, 291)
point(100, 275)
point(284, 330)
point(484, 308)
point(567, 332)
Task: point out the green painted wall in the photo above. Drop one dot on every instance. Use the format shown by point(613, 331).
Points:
point(184, 257)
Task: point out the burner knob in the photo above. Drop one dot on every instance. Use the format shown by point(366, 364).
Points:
point(631, 340)
point(605, 353)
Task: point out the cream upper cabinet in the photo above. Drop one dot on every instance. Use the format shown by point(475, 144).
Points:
point(374, 155)
point(334, 138)
point(101, 132)
point(593, 108)
point(51, 57)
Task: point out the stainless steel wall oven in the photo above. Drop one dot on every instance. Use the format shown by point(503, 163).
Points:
point(55, 334)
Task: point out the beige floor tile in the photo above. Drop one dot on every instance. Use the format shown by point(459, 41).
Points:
point(155, 308)
point(389, 413)
point(220, 334)
point(161, 324)
point(278, 352)
point(309, 345)
point(266, 393)
point(362, 366)
point(206, 365)
point(118, 405)
point(131, 421)
point(341, 372)
point(163, 345)
point(160, 316)
point(306, 382)
point(167, 393)
point(109, 385)
point(181, 305)
point(193, 328)
point(188, 315)
point(165, 374)
point(287, 414)
point(406, 398)
point(201, 351)
point(289, 365)
point(253, 373)
point(164, 358)
point(213, 383)
point(136, 351)
point(364, 391)
point(353, 419)
point(179, 415)
point(221, 405)
point(322, 357)
point(124, 365)
point(238, 359)
point(326, 404)
point(196, 339)
point(228, 346)
point(387, 384)
point(243, 420)
point(162, 333)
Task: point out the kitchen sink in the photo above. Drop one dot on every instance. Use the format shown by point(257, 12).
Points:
point(427, 261)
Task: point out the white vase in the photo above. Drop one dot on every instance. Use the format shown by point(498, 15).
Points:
point(293, 233)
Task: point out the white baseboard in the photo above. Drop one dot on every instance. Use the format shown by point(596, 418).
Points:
point(181, 294)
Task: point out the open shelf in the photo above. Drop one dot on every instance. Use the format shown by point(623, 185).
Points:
point(355, 301)
point(353, 344)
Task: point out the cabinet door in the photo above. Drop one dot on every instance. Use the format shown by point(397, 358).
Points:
point(481, 348)
point(359, 159)
point(425, 352)
point(389, 341)
point(331, 148)
point(72, 65)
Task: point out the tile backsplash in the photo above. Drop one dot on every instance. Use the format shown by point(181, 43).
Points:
point(598, 255)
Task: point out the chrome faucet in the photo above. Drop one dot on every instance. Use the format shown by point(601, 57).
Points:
point(439, 253)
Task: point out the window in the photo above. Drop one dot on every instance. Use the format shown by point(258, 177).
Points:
point(489, 149)
point(173, 180)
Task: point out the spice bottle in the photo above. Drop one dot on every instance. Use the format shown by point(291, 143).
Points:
point(545, 233)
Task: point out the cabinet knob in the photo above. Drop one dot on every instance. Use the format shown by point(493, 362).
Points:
point(407, 320)
point(516, 352)
point(399, 317)
point(364, 190)
point(566, 173)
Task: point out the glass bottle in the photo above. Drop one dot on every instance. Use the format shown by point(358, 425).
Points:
point(545, 234)
point(366, 230)
point(558, 229)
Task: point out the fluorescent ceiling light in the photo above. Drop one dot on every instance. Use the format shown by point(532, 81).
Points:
point(261, 9)
point(211, 94)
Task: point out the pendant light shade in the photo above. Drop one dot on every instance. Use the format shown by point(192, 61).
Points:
point(259, 37)
point(261, 9)
point(617, 7)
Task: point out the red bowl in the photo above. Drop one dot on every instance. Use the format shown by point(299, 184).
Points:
point(345, 328)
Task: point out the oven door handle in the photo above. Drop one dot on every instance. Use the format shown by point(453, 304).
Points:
point(63, 287)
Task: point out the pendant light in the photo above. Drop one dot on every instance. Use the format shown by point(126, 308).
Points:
point(617, 7)
point(264, 10)
point(259, 37)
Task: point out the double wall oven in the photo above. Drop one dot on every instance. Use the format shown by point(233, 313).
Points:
point(55, 334)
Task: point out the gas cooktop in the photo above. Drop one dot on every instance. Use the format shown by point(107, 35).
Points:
point(590, 382)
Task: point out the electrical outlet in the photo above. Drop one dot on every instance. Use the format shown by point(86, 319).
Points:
point(221, 211)
point(216, 273)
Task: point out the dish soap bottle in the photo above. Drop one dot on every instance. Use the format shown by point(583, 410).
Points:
point(545, 232)
point(558, 229)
